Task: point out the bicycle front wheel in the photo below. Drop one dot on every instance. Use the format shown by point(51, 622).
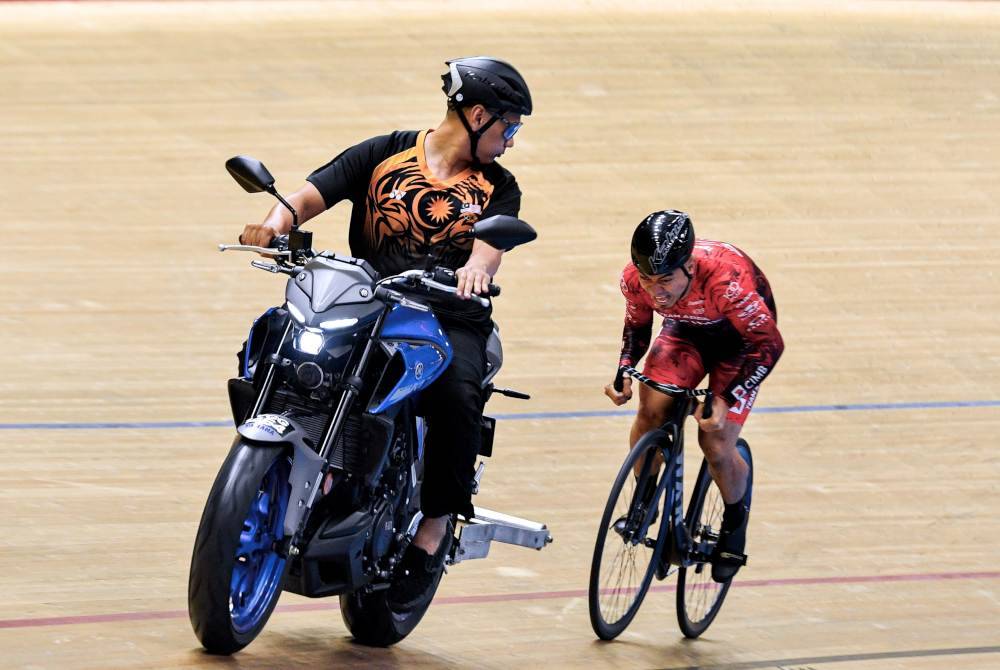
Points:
point(699, 597)
point(629, 540)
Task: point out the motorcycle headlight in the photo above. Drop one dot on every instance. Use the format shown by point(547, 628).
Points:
point(337, 324)
point(309, 341)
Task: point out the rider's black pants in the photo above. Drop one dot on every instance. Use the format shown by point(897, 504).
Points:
point(453, 409)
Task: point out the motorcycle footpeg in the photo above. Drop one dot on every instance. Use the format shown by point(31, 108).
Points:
point(511, 393)
point(488, 526)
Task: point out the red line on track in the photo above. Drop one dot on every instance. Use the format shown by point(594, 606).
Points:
point(504, 597)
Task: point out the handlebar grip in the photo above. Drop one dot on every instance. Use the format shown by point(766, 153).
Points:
point(387, 294)
point(447, 277)
point(279, 242)
point(618, 385)
point(707, 412)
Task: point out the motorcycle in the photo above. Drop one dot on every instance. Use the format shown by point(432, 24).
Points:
point(320, 492)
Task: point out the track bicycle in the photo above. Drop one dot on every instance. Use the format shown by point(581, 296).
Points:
point(639, 538)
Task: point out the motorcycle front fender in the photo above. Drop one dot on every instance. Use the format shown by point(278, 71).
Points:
point(307, 465)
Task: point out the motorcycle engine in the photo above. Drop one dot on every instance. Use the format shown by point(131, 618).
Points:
point(383, 530)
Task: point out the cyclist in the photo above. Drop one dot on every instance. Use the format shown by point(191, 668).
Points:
point(719, 318)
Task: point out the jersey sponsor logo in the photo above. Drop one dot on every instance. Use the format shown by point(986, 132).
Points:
point(396, 194)
point(471, 208)
point(744, 399)
point(757, 377)
point(733, 291)
point(758, 321)
point(689, 318)
point(740, 394)
point(750, 310)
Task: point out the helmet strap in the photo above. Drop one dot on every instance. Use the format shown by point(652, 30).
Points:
point(688, 285)
point(474, 136)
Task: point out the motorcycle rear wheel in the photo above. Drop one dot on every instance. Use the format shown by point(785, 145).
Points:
point(372, 622)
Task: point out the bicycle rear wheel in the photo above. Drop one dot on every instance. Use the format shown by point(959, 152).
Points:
point(699, 597)
point(629, 540)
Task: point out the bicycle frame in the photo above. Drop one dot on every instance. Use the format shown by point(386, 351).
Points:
point(679, 548)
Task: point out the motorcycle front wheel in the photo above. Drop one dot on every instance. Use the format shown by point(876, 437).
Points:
point(236, 573)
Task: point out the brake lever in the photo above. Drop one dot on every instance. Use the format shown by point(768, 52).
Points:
point(259, 250)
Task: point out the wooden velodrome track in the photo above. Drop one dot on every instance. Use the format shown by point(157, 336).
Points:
point(853, 149)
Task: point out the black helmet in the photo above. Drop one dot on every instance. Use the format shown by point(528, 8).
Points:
point(662, 242)
point(490, 82)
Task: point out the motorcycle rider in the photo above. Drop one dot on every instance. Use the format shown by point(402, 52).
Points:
point(414, 195)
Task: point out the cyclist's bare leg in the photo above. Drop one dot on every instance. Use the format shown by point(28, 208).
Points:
point(725, 464)
point(653, 409)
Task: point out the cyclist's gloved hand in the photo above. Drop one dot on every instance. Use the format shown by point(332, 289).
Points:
point(625, 395)
point(718, 415)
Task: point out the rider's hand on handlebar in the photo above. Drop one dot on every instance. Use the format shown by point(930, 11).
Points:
point(619, 398)
point(472, 279)
point(257, 235)
point(718, 419)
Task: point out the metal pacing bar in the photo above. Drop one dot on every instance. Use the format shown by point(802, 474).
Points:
point(475, 537)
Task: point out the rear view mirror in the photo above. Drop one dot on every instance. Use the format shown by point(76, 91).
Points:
point(251, 174)
point(504, 232)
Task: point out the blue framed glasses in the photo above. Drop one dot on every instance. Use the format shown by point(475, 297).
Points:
point(510, 127)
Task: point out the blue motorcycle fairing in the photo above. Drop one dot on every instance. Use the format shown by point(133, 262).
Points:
point(307, 465)
point(248, 347)
point(421, 343)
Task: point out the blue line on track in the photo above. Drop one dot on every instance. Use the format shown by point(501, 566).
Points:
point(529, 416)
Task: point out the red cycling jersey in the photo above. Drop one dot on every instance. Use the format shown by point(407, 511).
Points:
point(726, 324)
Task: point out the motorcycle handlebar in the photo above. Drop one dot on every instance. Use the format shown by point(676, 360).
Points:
point(449, 278)
point(418, 277)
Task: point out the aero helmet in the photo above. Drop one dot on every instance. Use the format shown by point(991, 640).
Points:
point(663, 242)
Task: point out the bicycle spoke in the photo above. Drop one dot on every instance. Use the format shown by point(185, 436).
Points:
point(699, 596)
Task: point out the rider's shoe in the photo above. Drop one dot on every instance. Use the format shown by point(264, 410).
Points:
point(619, 525)
point(418, 574)
point(728, 556)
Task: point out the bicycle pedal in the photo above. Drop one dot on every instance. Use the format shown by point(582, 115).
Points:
point(730, 558)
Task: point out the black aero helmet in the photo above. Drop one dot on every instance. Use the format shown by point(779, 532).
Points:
point(663, 242)
point(490, 82)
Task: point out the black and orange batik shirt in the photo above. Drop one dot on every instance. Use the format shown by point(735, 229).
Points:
point(403, 217)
